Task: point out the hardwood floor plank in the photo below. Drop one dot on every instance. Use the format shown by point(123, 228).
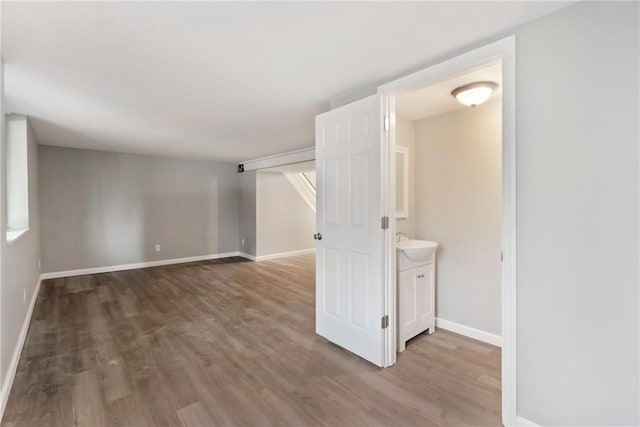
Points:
point(230, 343)
point(194, 415)
point(88, 409)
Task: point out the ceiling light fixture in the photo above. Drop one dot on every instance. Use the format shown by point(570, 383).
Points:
point(474, 93)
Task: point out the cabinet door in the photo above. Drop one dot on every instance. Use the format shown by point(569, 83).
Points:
point(408, 294)
point(424, 303)
point(415, 300)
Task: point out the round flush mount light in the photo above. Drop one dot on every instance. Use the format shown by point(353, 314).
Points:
point(474, 93)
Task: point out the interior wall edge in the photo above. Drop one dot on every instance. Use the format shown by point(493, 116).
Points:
point(133, 266)
point(15, 359)
point(247, 256)
point(523, 422)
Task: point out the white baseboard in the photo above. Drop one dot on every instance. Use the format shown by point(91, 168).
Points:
point(111, 268)
point(523, 422)
point(15, 359)
point(284, 254)
point(97, 270)
point(247, 256)
point(470, 332)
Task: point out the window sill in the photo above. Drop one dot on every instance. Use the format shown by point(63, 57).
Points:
point(14, 235)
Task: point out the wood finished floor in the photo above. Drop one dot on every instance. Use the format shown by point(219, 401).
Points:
point(232, 343)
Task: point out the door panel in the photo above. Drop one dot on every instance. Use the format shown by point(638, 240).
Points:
point(359, 295)
point(332, 270)
point(350, 257)
point(331, 207)
point(360, 195)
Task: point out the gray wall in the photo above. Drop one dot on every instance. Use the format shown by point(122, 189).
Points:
point(285, 222)
point(577, 182)
point(247, 212)
point(20, 269)
point(101, 208)
point(458, 204)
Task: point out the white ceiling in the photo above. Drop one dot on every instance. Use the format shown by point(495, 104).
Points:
point(437, 99)
point(230, 81)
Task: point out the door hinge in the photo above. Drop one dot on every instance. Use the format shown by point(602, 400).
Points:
point(501, 256)
point(384, 222)
point(385, 321)
point(386, 122)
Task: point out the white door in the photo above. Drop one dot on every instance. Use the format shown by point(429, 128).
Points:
point(350, 245)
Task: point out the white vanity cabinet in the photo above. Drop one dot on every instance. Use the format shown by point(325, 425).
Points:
point(416, 294)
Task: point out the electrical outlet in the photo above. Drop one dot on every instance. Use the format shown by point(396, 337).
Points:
point(24, 296)
point(242, 242)
point(157, 248)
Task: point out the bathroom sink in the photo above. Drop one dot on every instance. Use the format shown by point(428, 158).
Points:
point(418, 250)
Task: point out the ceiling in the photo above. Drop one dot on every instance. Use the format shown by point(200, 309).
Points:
point(437, 99)
point(219, 80)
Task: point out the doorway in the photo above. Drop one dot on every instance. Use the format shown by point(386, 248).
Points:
point(449, 197)
point(373, 123)
point(285, 210)
point(503, 53)
point(448, 173)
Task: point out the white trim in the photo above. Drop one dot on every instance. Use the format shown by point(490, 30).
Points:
point(470, 332)
point(111, 268)
point(15, 359)
point(448, 69)
point(388, 187)
point(15, 234)
point(503, 51)
point(247, 256)
point(283, 254)
point(509, 263)
point(303, 187)
point(281, 159)
point(523, 422)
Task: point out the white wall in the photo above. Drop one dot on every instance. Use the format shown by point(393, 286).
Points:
point(101, 209)
point(20, 269)
point(577, 216)
point(458, 204)
point(285, 222)
point(405, 137)
point(578, 209)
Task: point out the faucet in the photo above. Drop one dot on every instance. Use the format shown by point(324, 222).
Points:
point(399, 236)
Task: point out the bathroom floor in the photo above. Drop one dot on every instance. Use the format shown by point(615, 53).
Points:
point(230, 342)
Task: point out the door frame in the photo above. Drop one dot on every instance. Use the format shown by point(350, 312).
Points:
point(503, 51)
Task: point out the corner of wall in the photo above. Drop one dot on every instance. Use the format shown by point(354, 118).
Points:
point(20, 269)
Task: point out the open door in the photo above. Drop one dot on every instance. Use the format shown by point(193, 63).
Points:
point(350, 235)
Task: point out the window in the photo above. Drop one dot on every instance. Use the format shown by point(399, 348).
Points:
point(17, 177)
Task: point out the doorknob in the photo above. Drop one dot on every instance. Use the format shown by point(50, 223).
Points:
point(319, 236)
